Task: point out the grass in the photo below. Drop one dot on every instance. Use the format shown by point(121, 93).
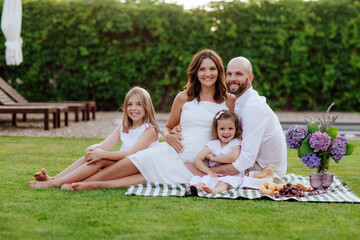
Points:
point(109, 214)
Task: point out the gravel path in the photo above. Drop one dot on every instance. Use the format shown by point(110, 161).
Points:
point(106, 122)
point(101, 127)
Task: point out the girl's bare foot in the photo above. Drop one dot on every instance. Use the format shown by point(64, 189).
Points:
point(42, 184)
point(66, 186)
point(84, 186)
point(42, 176)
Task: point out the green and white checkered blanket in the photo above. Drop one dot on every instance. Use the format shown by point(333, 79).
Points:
point(338, 192)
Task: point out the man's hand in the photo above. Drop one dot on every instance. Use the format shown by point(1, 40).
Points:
point(214, 174)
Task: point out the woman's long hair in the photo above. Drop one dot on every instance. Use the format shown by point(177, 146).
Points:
point(193, 86)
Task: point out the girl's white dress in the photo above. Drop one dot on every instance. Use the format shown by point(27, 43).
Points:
point(215, 148)
point(163, 164)
point(129, 139)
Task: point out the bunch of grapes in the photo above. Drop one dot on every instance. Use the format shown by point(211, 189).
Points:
point(290, 191)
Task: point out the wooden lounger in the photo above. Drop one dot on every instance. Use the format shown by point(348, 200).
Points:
point(46, 110)
point(7, 101)
point(84, 106)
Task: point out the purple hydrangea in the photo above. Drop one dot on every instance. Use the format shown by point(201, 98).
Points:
point(337, 149)
point(319, 141)
point(343, 139)
point(311, 160)
point(294, 135)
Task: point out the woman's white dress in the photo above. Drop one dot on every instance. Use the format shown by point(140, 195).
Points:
point(163, 164)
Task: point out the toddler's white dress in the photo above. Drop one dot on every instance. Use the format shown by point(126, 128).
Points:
point(163, 164)
point(215, 148)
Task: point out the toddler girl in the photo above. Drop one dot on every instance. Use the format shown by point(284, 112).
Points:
point(139, 130)
point(226, 131)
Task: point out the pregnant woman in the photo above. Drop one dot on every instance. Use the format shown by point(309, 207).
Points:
point(193, 109)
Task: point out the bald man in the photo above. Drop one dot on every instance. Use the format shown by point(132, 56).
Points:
point(263, 140)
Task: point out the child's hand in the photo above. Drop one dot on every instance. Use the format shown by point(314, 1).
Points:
point(211, 157)
point(92, 147)
point(94, 155)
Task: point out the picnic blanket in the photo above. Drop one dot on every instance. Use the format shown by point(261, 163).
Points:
point(338, 192)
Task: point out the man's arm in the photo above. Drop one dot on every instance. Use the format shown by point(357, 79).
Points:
point(254, 123)
point(225, 169)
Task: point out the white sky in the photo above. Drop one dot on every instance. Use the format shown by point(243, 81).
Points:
point(188, 4)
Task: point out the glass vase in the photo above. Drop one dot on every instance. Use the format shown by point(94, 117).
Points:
point(324, 163)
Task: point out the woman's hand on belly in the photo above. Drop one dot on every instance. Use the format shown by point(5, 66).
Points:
point(174, 140)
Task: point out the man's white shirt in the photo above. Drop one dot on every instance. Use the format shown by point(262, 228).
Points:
point(263, 139)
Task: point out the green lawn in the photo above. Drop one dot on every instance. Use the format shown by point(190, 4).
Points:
point(109, 214)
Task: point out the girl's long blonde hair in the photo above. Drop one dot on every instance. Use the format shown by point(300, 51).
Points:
point(145, 100)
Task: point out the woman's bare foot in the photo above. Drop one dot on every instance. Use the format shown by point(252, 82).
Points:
point(42, 184)
point(42, 176)
point(85, 186)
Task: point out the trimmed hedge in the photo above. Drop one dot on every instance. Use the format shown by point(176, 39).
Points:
point(305, 55)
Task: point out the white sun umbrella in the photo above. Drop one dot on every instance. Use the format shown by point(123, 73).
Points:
point(11, 27)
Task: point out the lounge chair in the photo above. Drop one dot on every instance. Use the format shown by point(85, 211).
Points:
point(46, 110)
point(85, 106)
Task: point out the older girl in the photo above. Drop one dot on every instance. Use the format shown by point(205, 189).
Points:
point(138, 131)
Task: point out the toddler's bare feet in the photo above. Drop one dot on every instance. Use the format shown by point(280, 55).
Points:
point(199, 186)
point(42, 176)
point(207, 189)
point(42, 184)
point(85, 186)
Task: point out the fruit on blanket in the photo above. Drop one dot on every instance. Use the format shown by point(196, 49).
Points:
point(284, 190)
point(289, 190)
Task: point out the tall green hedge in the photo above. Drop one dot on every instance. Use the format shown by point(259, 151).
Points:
point(305, 55)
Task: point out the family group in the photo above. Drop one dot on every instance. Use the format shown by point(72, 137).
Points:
point(212, 138)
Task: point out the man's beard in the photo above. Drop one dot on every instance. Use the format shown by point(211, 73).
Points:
point(241, 87)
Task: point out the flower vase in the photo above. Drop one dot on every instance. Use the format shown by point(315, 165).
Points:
point(324, 163)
